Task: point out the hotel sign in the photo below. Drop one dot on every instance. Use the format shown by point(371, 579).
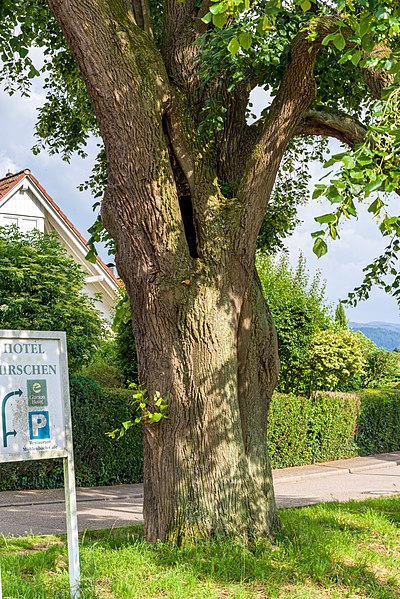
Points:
point(34, 399)
point(35, 415)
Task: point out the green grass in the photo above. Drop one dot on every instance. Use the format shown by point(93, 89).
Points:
point(326, 551)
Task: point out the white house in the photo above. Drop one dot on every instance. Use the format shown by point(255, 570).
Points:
point(25, 203)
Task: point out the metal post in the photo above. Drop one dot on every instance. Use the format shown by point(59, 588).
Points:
point(1, 593)
point(72, 526)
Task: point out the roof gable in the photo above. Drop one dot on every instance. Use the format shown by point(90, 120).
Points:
point(10, 181)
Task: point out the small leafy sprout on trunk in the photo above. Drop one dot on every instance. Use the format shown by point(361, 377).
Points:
point(145, 413)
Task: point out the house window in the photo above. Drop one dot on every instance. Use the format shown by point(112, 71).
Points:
point(8, 220)
point(28, 224)
point(24, 223)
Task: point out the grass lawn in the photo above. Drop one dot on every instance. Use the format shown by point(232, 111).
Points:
point(329, 550)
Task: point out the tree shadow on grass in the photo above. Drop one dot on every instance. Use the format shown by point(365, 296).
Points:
point(339, 550)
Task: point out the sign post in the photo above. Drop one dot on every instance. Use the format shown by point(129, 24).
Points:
point(36, 415)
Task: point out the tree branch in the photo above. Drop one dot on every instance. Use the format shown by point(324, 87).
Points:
point(178, 45)
point(377, 79)
point(142, 14)
point(295, 96)
point(342, 127)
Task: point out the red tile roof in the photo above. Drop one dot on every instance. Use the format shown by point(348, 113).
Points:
point(7, 183)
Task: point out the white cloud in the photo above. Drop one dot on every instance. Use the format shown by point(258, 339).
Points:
point(59, 178)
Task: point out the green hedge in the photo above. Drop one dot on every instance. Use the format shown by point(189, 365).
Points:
point(300, 431)
point(332, 426)
point(99, 460)
point(378, 425)
point(305, 430)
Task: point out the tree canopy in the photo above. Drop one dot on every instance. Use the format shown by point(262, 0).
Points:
point(41, 288)
point(356, 43)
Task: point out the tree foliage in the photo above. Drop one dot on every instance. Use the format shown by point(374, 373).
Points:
point(382, 368)
point(335, 360)
point(340, 316)
point(357, 44)
point(41, 288)
point(125, 347)
point(299, 308)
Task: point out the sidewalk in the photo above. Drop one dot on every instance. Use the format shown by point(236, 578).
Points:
point(42, 512)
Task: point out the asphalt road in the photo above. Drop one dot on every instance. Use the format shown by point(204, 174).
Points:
point(42, 512)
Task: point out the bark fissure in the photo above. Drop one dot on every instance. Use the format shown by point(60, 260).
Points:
point(184, 196)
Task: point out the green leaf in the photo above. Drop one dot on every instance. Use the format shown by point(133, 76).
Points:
point(305, 5)
point(338, 41)
point(219, 20)
point(91, 256)
point(348, 161)
point(216, 8)
point(356, 57)
point(207, 18)
point(328, 38)
point(318, 191)
point(333, 232)
point(334, 159)
point(326, 218)
point(155, 417)
point(245, 40)
point(382, 13)
point(365, 26)
point(233, 46)
point(320, 248)
point(375, 185)
point(376, 206)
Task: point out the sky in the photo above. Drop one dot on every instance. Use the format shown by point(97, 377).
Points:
point(359, 244)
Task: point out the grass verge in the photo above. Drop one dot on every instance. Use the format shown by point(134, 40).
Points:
point(330, 550)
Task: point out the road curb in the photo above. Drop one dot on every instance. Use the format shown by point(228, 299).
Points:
point(379, 462)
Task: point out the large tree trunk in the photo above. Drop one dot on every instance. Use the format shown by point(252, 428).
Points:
point(206, 466)
point(204, 336)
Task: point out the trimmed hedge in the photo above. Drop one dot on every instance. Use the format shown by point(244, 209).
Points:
point(378, 424)
point(99, 460)
point(331, 426)
point(305, 430)
point(301, 431)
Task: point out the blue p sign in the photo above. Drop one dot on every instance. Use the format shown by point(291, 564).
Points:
point(39, 425)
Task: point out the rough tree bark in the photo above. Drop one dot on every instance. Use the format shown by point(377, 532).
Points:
point(186, 253)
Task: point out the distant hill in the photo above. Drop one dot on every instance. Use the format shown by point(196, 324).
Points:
point(383, 334)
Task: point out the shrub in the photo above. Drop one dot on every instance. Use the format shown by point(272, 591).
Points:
point(378, 425)
point(336, 360)
point(315, 429)
point(99, 460)
point(299, 309)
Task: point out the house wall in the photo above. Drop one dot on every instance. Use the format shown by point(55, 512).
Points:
point(24, 210)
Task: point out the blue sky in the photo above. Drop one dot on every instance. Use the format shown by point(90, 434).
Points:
point(342, 267)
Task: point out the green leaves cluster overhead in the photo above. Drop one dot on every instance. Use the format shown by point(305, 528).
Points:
point(246, 42)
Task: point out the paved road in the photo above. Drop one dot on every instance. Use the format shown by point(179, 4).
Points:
point(42, 512)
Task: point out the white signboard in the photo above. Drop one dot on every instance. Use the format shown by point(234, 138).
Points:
point(32, 398)
point(35, 415)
